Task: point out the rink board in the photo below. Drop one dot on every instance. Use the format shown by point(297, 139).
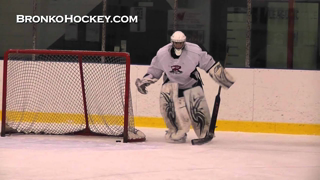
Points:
point(223, 125)
point(262, 100)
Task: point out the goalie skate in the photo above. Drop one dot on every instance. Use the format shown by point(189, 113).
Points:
point(169, 138)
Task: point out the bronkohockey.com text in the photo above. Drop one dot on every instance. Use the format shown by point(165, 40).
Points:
point(58, 19)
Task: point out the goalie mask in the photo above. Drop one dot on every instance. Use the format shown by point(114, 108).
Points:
point(178, 39)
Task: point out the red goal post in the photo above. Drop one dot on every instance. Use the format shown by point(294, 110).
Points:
point(68, 92)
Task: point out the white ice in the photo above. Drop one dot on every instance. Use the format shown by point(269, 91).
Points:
point(230, 155)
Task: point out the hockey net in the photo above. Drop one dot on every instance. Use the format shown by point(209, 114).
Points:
point(68, 92)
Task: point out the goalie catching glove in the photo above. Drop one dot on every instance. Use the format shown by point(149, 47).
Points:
point(143, 83)
point(219, 74)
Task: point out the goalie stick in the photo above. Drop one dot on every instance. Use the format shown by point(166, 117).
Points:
point(209, 136)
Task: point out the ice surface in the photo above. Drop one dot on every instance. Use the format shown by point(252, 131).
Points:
point(230, 155)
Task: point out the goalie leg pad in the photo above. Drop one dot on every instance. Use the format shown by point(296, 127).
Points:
point(167, 106)
point(220, 75)
point(174, 112)
point(183, 119)
point(198, 110)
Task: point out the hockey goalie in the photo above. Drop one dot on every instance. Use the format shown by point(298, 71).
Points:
point(182, 99)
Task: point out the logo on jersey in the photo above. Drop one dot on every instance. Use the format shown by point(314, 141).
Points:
point(176, 69)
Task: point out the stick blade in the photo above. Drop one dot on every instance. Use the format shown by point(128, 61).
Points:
point(204, 140)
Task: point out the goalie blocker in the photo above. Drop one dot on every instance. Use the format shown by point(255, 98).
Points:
point(221, 76)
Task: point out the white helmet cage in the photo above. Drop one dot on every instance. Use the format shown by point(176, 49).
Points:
point(178, 36)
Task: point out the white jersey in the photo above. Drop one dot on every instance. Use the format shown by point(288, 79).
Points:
point(179, 70)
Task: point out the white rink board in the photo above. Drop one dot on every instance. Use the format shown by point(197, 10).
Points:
point(265, 95)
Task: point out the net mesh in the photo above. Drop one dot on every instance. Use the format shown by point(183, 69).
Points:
point(44, 94)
